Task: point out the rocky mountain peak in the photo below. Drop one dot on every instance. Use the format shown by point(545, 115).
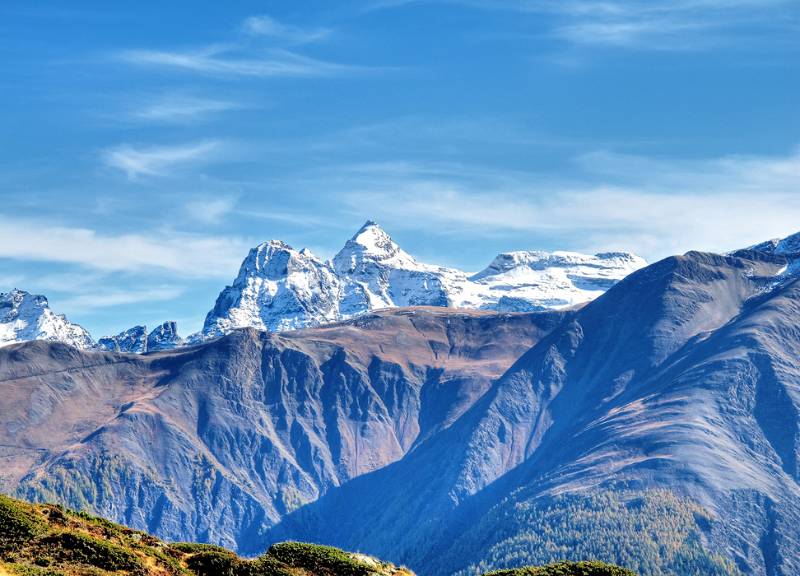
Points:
point(137, 340)
point(372, 244)
point(278, 288)
point(274, 259)
point(164, 337)
point(25, 316)
point(133, 340)
point(789, 246)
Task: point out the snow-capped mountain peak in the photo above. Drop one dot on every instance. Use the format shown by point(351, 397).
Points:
point(267, 258)
point(132, 340)
point(537, 260)
point(789, 246)
point(138, 340)
point(277, 288)
point(372, 243)
point(164, 337)
point(280, 288)
point(25, 316)
point(524, 281)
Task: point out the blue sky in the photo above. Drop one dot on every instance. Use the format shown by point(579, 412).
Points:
point(145, 146)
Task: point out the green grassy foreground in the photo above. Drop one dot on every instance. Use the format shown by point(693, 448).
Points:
point(48, 540)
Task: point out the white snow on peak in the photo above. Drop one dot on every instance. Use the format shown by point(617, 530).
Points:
point(789, 246)
point(280, 288)
point(372, 243)
point(132, 340)
point(164, 337)
point(25, 316)
point(138, 340)
point(519, 281)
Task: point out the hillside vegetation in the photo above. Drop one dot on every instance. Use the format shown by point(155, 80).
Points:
point(653, 532)
point(49, 540)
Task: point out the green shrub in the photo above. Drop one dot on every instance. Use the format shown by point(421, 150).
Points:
point(26, 570)
point(85, 549)
point(323, 560)
point(214, 563)
point(264, 566)
point(19, 523)
point(567, 569)
point(195, 547)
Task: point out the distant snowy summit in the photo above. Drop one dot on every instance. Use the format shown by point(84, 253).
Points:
point(25, 316)
point(138, 341)
point(788, 247)
point(280, 288)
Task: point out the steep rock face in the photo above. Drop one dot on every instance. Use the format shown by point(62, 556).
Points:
point(788, 247)
point(279, 288)
point(682, 378)
point(218, 442)
point(164, 337)
point(138, 340)
point(132, 340)
point(377, 273)
point(25, 316)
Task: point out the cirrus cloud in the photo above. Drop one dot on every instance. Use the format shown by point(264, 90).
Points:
point(182, 254)
point(655, 207)
point(138, 161)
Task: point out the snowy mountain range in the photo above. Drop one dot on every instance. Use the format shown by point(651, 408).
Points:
point(25, 316)
point(280, 288)
point(139, 341)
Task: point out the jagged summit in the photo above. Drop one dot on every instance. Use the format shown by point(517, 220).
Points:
point(25, 316)
point(164, 337)
point(275, 259)
point(131, 340)
point(138, 340)
point(277, 288)
point(789, 246)
point(281, 288)
point(373, 243)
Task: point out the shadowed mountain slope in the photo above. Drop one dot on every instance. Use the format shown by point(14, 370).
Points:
point(683, 377)
point(657, 427)
point(219, 441)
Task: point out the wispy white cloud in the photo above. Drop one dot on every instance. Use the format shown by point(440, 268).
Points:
point(178, 108)
point(93, 300)
point(649, 25)
point(267, 26)
point(231, 61)
point(655, 207)
point(211, 210)
point(184, 255)
point(674, 25)
point(138, 161)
